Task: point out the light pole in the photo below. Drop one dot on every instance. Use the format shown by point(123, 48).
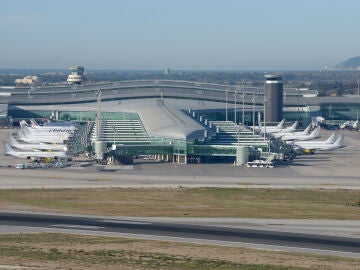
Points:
point(237, 148)
point(98, 114)
point(235, 104)
point(253, 114)
point(358, 82)
point(114, 133)
point(264, 111)
point(265, 100)
point(298, 109)
point(243, 108)
point(226, 104)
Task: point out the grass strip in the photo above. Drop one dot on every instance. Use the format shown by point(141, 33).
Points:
point(191, 202)
point(49, 251)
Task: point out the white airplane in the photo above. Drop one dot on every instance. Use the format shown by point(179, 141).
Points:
point(59, 132)
point(25, 136)
point(35, 154)
point(301, 137)
point(322, 145)
point(280, 125)
point(329, 140)
point(37, 146)
point(52, 125)
point(306, 131)
point(35, 130)
point(67, 130)
point(276, 129)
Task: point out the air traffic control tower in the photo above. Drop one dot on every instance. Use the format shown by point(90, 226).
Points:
point(273, 98)
point(76, 76)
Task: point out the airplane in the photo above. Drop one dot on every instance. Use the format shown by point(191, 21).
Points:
point(60, 132)
point(321, 145)
point(301, 137)
point(276, 129)
point(58, 129)
point(306, 131)
point(35, 154)
point(25, 136)
point(38, 146)
point(329, 140)
point(49, 125)
point(280, 125)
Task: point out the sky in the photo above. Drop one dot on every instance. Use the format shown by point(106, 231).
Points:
point(178, 34)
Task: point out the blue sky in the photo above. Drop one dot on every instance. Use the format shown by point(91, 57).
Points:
point(179, 34)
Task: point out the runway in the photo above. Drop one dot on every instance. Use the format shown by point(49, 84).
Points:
point(181, 231)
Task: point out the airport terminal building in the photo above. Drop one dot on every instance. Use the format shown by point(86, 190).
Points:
point(178, 121)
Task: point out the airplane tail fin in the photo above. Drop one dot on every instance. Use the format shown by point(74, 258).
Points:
point(307, 130)
point(8, 149)
point(315, 132)
point(33, 123)
point(13, 141)
point(22, 136)
point(281, 124)
point(23, 124)
point(331, 139)
point(26, 131)
point(340, 142)
point(293, 126)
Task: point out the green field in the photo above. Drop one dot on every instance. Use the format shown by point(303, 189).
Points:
point(189, 202)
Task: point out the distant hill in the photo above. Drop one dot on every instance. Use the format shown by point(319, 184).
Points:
point(350, 64)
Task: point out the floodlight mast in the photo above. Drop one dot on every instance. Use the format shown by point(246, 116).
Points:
point(235, 93)
point(243, 108)
point(265, 100)
point(226, 105)
point(298, 105)
point(253, 114)
point(243, 103)
point(98, 114)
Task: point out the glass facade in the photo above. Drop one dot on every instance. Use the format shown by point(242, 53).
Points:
point(18, 114)
point(340, 111)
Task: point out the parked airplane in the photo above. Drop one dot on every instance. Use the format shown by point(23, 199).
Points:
point(51, 125)
point(68, 130)
point(308, 145)
point(301, 137)
point(279, 126)
point(35, 154)
point(37, 146)
point(28, 137)
point(306, 131)
point(329, 140)
point(276, 129)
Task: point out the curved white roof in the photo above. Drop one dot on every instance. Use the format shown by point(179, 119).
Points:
point(167, 117)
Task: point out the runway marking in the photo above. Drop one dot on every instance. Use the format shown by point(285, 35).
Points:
point(103, 179)
point(77, 226)
point(199, 240)
point(126, 222)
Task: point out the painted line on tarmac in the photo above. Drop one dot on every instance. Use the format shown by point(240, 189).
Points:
point(77, 226)
point(125, 222)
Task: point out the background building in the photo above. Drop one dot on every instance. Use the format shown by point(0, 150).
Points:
point(27, 80)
